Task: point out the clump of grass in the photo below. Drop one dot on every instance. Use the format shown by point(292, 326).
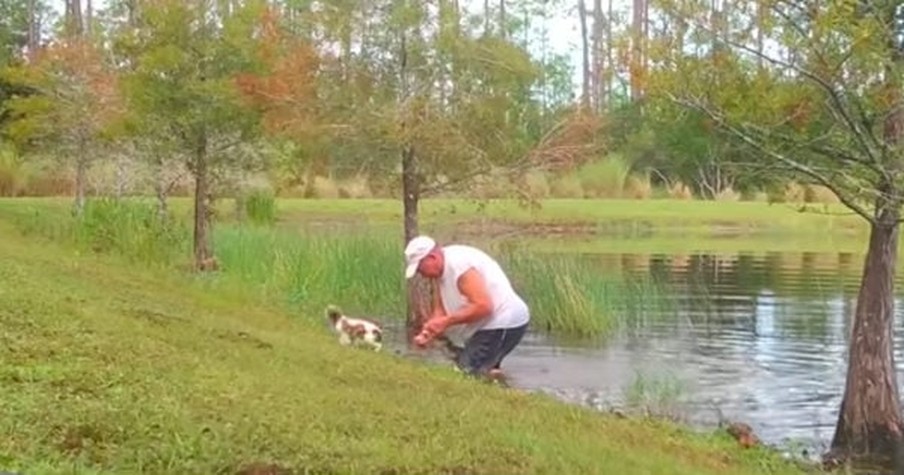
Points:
point(355, 187)
point(655, 396)
point(537, 184)
point(792, 192)
point(727, 194)
point(569, 295)
point(324, 187)
point(260, 206)
point(605, 178)
point(638, 187)
point(820, 194)
point(359, 273)
point(566, 186)
point(680, 191)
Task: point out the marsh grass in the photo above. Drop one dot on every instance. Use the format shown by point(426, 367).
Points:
point(358, 273)
point(571, 295)
point(362, 273)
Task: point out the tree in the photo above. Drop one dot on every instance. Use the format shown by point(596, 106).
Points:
point(22, 25)
point(826, 108)
point(185, 58)
point(75, 100)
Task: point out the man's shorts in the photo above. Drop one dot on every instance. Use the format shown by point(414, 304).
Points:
point(486, 349)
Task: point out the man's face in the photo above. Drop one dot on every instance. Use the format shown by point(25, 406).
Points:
point(431, 266)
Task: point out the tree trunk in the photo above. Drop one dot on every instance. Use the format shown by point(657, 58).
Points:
point(418, 289)
point(503, 27)
point(81, 180)
point(869, 423)
point(610, 57)
point(32, 29)
point(162, 209)
point(161, 189)
point(598, 62)
point(120, 189)
point(89, 17)
point(487, 29)
point(203, 256)
point(585, 55)
point(637, 49)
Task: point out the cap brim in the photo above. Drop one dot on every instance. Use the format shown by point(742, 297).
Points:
point(411, 269)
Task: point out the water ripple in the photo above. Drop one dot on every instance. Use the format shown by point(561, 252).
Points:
point(761, 339)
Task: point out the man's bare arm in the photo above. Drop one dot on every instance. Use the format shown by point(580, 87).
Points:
point(437, 301)
point(478, 303)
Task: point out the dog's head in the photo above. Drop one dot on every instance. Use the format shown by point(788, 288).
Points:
point(333, 314)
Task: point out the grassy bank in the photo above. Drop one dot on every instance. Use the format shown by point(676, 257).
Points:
point(605, 215)
point(608, 215)
point(115, 368)
point(362, 273)
point(582, 226)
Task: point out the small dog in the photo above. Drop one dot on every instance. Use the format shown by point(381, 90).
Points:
point(355, 331)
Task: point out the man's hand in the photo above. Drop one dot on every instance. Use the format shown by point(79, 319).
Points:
point(432, 329)
point(437, 325)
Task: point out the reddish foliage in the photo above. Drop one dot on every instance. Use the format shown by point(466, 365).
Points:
point(74, 72)
point(286, 90)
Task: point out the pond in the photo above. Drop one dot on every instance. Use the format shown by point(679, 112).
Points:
point(759, 338)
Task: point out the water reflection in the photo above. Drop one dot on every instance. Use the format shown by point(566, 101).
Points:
point(761, 338)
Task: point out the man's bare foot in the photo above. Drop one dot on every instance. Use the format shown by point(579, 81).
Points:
point(495, 373)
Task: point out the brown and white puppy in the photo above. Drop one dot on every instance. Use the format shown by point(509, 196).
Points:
point(355, 331)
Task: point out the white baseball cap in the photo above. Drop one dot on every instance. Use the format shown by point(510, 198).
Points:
point(417, 249)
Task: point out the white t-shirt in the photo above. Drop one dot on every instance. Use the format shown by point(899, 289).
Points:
point(509, 309)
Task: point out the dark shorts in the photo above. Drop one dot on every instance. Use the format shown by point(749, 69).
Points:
point(486, 349)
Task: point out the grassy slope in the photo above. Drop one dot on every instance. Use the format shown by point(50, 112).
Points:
point(128, 371)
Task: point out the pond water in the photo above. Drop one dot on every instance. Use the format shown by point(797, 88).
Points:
point(758, 338)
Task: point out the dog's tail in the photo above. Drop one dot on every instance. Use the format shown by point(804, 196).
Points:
point(333, 312)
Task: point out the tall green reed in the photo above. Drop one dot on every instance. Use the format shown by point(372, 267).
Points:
point(568, 293)
point(131, 229)
point(259, 207)
point(362, 273)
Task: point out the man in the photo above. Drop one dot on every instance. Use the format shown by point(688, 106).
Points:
point(472, 297)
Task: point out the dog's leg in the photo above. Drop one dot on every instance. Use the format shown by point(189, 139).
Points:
point(344, 339)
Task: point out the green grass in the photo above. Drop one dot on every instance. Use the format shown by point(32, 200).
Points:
point(654, 215)
point(612, 215)
point(571, 295)
point(361, 273)
point(109, 367)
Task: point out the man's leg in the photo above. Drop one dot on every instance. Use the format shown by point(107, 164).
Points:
point(477, 356)
point(510, 340)
point(486, 349)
